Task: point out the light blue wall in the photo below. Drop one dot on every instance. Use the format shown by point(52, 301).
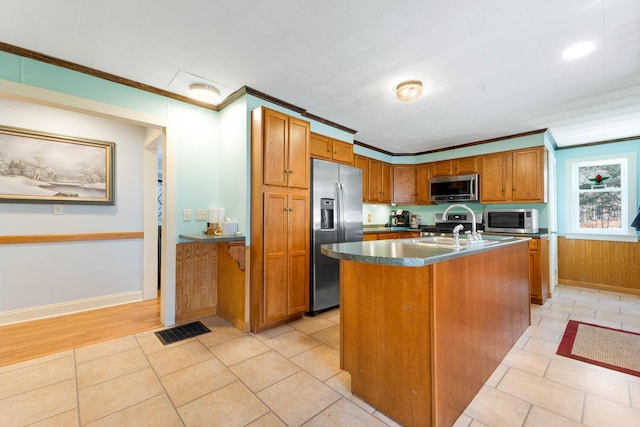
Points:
point(46, 76)
point(196, 134)
point(595, 150)
point(197, 130)
point(233, 163)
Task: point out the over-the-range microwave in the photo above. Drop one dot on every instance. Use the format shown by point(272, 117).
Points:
point(511, 220)
point(454, 188)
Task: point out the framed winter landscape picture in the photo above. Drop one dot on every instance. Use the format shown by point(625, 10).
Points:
point(37, 167)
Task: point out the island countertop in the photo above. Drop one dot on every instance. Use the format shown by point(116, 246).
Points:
point(414, 252)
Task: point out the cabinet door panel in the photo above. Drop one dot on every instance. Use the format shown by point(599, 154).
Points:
point(363, 163)
point(298, 153)
point(422, 184)
point(493, 183)
point(375, 180)
point(387, 183)
point(342, 152)
point(320, 146)
point(404, 184)
point(298, 291)
point(275, 148)
point(442, 168)
point(275, 256)
point(465, 165)
point(528, 181)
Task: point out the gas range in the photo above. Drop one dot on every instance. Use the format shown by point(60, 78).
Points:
point(446, 225)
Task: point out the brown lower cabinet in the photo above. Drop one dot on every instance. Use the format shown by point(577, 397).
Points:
point(286, 255)
point(210, 279)
point(539, 270)
point(443, 331)
point(390, 235)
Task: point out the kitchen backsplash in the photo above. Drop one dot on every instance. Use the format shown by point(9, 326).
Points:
point(380, 213)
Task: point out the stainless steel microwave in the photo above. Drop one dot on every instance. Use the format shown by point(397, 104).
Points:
point(511, 220)
point(454, 188)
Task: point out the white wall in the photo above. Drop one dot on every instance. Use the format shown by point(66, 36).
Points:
point(53, 273)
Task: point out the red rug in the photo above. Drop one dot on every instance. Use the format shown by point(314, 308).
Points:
point(611, 348)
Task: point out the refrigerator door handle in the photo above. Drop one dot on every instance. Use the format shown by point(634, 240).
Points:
point(342, 232)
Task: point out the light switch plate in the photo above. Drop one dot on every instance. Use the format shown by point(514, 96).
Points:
point(186, 214)
point(201, 214)
point(58, 210)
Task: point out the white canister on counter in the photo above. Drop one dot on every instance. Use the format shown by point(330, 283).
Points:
point(229, 228)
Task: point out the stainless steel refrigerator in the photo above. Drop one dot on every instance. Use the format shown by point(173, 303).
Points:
point(336, 216)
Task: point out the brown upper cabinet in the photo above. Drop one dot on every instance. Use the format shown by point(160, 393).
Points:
point(377, 179)
point(323, 147)
point(286, 150)
point(362, 162)
point(452, 167)
point(514, 176)
point(380, 181)
point(423, 173)
point(404, 184)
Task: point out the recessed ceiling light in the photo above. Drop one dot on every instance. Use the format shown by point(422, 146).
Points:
point(205, 93)
point(578, 50)
point(409, 91)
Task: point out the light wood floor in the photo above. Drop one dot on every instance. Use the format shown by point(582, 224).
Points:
point(29, 340)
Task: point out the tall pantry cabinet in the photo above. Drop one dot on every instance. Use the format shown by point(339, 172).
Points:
point(280, 216)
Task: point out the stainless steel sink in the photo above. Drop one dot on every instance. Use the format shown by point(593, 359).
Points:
point(449, 242)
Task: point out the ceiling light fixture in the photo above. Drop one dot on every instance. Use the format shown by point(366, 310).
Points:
point(578, 50)
point(205, 93)
point(409, 91)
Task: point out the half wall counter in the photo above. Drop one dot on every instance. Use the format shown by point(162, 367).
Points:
point(210, 278)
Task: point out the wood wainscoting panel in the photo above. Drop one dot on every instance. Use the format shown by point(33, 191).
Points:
point(599, 264)
point(196, 277)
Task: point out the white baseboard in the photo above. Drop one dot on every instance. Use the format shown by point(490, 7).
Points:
point(52, 310)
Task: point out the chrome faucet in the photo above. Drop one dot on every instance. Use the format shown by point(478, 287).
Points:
point(456, 234)
point(475, 237)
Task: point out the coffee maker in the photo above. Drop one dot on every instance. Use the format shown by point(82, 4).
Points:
point(399, 218)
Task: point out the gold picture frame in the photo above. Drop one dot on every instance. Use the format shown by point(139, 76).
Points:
point(41, 167)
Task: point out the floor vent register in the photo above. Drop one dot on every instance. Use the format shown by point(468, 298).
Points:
point(182, 332)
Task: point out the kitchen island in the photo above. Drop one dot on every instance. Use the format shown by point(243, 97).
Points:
point(425, 323)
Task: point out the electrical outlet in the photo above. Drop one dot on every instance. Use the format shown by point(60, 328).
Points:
point(201, 214)
point(369, 218)
point(58, 210)
point(186, 214)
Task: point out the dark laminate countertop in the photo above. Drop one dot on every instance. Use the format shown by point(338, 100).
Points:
point(415, 252)
point(209, 238)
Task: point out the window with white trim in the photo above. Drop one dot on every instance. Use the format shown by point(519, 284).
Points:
point(601, 195)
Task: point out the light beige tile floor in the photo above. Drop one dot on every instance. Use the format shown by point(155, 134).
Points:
point(290, 376)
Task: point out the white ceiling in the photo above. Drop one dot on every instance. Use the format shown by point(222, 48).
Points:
point(491, 68)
